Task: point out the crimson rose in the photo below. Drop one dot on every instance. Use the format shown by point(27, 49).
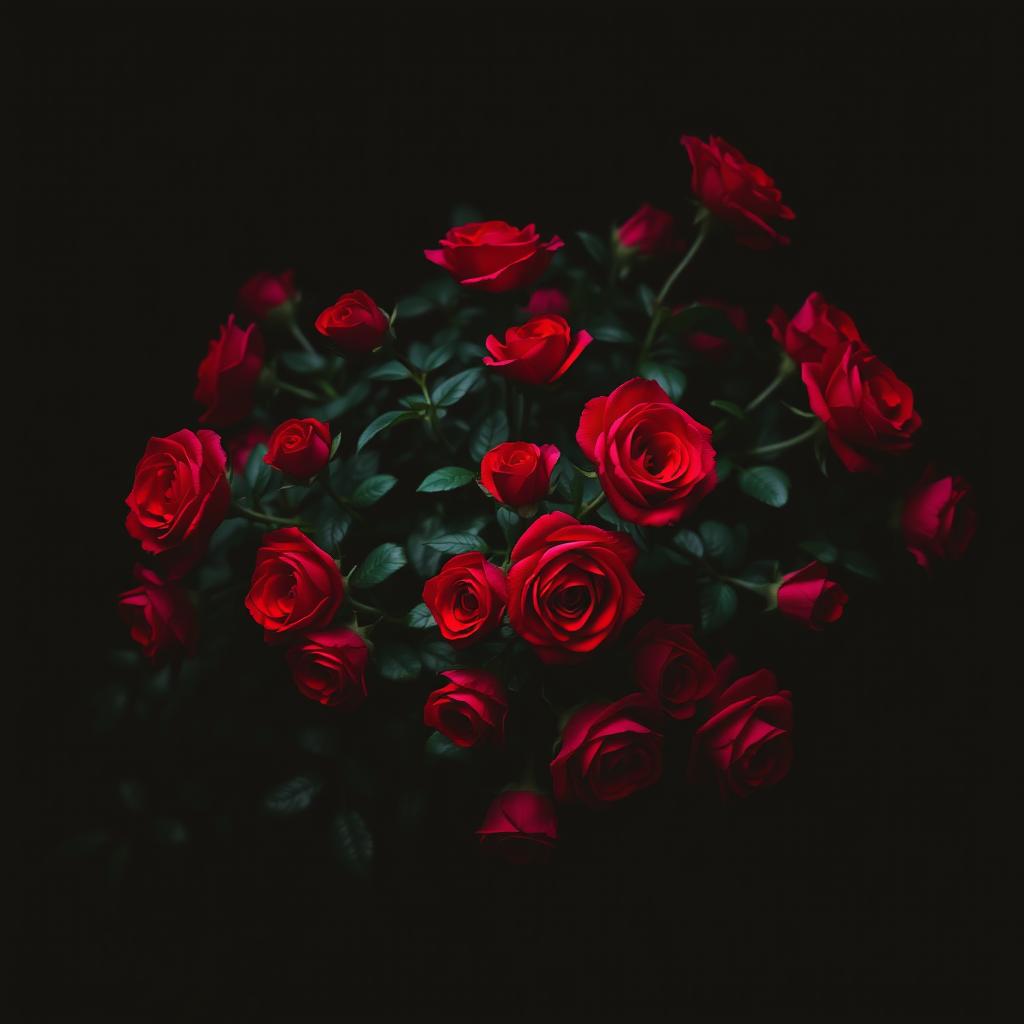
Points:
point(648, 231)
point(548, 300)
point(299, 448)
point(938, 518)
point(521, 825)
point(470, 709)
point(711, 344)
point(467, 598)
point(518, 473)
point(329, 666)
point(160, 616)
point(537, 352)
point(810, 597)
point(240, 446)
point(355, 323)
point(816, 328)
point(228, 373)
point(672, 668)
point(264, 292)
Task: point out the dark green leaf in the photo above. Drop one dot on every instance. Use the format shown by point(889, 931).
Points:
point(446, 479)
point(805, 414)
point(612, 333)
point(370, 491)
point(382, 422)
point(293, 796)
point(596, 248)
point(438, 746)
point(822, 550)
point(717, 604)
point(690, 542)
point(335, 445)
point(437, 655)
point(718, 539)
point(303, 362)
point(257, 472)
point(352, 843)
point(671, 378)
point(413, 306)
point(456, 543)
point(343, 403)
point(420, 617)
point(437, 357)
point(392, 370)
point(379, 564)
point(489, 434)
point(767, 484)
point(862, 564)
point(449, 391)
point(647, 298)
point(730, 408)
point(396, 661)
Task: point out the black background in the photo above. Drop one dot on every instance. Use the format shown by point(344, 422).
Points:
point(165, 159)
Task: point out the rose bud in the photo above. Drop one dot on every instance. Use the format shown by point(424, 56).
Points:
point(159, 615)
point(227, 375)
point(711, 345)
point(355, 323)
point(470, 709)
point(520, 825)
point(295, 586)
point(747, 742)
point(548, 300)
point(180, 495)
point(672, 668)
point(648, 231)
point(537, 352)
point(654, 461)
point(938, 518)
point(736, 192)
point(570, 587)
point(240, 446)
point(810, 597)
point(264, 294)
point(816, 328)
point(608, 752)
point(494, 256)
point(299, 448)
point(518, 473)
point(467, 598)
point(329, 666)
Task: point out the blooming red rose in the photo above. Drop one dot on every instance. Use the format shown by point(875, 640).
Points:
point(518, 473)
point(240, 446)
point(648, 231)
point(672, 668)
point(227, 375)
point(711, 344)
point(608, 751)
point(520, 825)
point(355, 323)
point(329, 666)
point(470, 709)
point(736, 192)
point(467, 598)
point(570, 587)
point(548, 300)
point(299, 448)
point(494, 256)
point(160, 616)
point(180, 495)
point(938, 518)
point(264, 292)
point(867, 409)
point(816, 328)
point(537, 352)
point(295, 586)
point(810, 597)
point(747, 742)
point(654, 461)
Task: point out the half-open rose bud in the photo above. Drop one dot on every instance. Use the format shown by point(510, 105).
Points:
point(160, 616)
point(938, 518)
point(354, 323)
point(518, 473)
point(520, 825)
point(467, 598)
point(537, 352)
point(470, 709)
point(810, 597)
point(329, 666)
point(299, 448)
point(227, 375)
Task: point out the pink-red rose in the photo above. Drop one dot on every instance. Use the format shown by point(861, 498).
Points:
point(548, 300)
point(648, 231)
point(329, 666)
point(240, 446)
point(470, 709)
point(816, 328)
point(467, 598)
point(518, 473)
point(672, 668)
point(160, 616)
point(355, 323)
point(227, 376)
point(810, 597)
point(655, 462)
point(537, 352)
point(520, 825)
point(939, 518)
point(299, 448)
point(265, 292)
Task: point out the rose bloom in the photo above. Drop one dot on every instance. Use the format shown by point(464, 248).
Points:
point(608, 752)
point(329, 666)
point(470, 709)
point(548, 300)
point(648, 231)
point(240, 446)
point(467, 598)
point(295, 586)
point(736, 192)
point(808, 596)
point(868, 410)
point(264, 292)
point(494, 256)
point(655, 462)
point(180, 495)
point(816, 328)
point(672, 668)
point(746, 744)
point(939, 518)
point(710, 344)
point(570, 587)
point(537, 352)
point(228, 374)
point(160, 617)
point(518, 473)
point(299, 448)
point(355, 323)
point(520, 825)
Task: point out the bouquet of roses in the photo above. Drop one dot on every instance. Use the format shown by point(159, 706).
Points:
point(531, 523)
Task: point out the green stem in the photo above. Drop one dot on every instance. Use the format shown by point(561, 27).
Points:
point(591, 505)
point(703, 226)
point(786, 367)
point(789, 442)
point(293, 389)
point(299, 335)
point(262, 517)
point(391, 349)
point(371, 610)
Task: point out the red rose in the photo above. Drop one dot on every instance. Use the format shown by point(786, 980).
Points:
point(809, 596)
point(747, 741)
point(470, 710)
point(710, 344)
point(227, 375)
point(608, 751)
point(537, 352)
point(494, 256)
point(299, 448)
point(295, 586)
point(518, 473)
point(264, 292)
point(467, 598)
point(570, 588)
point(867, 409)
point(521, 825)
point(179, 497)
point(672, 668)
point(240, 446)
point(816, 328)
point(329, 666)
point(548, 300)
point(648, 231)
point(736, 192)
point(654, 461)
point(939, 518)
point(159, 615)
point(355, 323)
